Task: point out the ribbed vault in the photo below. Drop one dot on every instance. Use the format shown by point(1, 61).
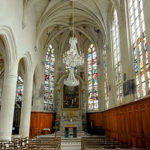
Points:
point(54, 21)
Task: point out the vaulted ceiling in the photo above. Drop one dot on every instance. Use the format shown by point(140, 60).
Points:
point(54, 21)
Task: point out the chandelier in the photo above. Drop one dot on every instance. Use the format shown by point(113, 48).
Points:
point(71, 80)
point(72, 59)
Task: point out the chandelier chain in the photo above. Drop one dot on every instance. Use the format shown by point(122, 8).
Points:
point(73, 19)
point(72, 58)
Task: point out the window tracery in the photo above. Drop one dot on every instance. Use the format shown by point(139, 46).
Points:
point(139, 45)
point(92, 79)
point(49, 79)
point(106, 86)
point(116, 57)
point(19, 89)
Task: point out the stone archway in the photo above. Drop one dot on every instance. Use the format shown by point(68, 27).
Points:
point(10, 54)
point(27, 99)
point(9, 85)
point(23, 75)
point(19, 96)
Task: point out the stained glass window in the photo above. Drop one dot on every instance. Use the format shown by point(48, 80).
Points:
point(19, 89)
point(92, 79)
point(116, 55)
point(49, 79)
point(106, 86)
point(139, 45)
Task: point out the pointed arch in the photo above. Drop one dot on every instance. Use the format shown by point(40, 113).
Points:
point(10, 44)
point(27, 61)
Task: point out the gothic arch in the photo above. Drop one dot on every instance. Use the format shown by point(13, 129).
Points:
point(11, 51)
point(28, 62)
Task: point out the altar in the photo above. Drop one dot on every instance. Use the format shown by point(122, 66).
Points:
point(70, 116)
point(70, 131)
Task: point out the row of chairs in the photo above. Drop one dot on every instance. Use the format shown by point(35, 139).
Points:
point(102, 142)
point(42, 143)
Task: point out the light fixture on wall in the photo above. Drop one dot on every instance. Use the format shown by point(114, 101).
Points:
point(72, 58)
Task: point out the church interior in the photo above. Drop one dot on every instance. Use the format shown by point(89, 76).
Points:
point(74, 74)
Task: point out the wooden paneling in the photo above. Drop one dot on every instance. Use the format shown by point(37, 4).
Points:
point(97, 118)
point(39, 121)
point(129, 123)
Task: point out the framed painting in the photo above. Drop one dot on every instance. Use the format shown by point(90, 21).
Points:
point(71, 97)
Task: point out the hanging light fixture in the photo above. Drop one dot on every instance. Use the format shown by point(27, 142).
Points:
point(71, 80)
point(72, 59)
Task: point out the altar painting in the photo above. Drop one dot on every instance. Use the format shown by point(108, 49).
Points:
point(71, 98)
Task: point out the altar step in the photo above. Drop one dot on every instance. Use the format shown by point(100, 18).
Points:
point(70, 143)
point(73, 140)
point(61, 135)
point(79, 134)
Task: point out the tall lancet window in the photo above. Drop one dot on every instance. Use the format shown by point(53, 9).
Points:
point(116, 55)
point(92, 79)
point(106, 86)
point(19, 90)
point(139, 45)
point(49, 79)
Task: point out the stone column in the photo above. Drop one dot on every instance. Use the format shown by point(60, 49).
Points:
point(38, 95)
point(126, 52)
point(83, 90)
point(7, 104)
point(58, 101)
point(38, 99)
point(26, 105)
point(100, 77)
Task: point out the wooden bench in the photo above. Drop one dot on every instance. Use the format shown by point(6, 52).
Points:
point(98, 143)
point(32, 143)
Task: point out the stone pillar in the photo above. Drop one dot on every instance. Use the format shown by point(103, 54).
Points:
point(83, 90)
point(38, 99)
point(7, 104)
point(58, 101)
point(26, 105)
point(38, 94)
